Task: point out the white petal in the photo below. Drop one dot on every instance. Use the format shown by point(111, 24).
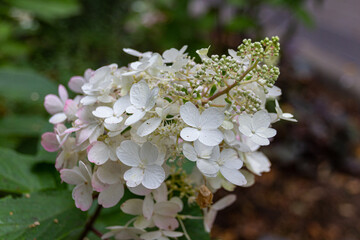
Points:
point(211, 118)
point(165, 223)
point(148, 206)
point(173, 234)
point(110, 172)
point(189, 134)
point(208, 168)
point(245, 120)
point(189, 152)
point(121, 104)
point(257, 162)
point(209, 219)
point(202, 150)
point(113, 120)
point(139, 190)
point(82, 194)
point(260, 140)
point(58, 118)
point(211, 137)
point(128, 153)
point(98, 153)
point(169, 209)
point(135, 117)
point(134, 176)
point(233, 175)
point(148, 153)
point(103, 112)
point(151, 235)
point(230, 159)
point(261, 119)
point(150, 103)
point(266, 132)
point(111, 195)
point(153, 177)
point(72, 176)
point(148, 127)
point(142, 223)
point(63, 93)
point(139, 94)
point(190, 114)
point(160, 194)
point(178, 201)
point(244, 129)
point(132, 206)
point(132, 52)
point(224, 202)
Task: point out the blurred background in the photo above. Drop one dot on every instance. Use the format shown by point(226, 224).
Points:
point(313, 190)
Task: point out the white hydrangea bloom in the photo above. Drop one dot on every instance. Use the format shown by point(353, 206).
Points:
point(257, 127)
point(202, 126)
point(113, 115)
point(145, 167)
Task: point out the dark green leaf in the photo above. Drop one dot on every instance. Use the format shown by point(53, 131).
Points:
point(46, 215)
point(194, 227)
point(213, 90)
point(22, 125)
point(17, 175)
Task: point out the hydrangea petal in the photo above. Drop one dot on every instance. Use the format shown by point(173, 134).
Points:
point(211, 118)
point(135, 117)
point(103, 112)
point(166, 223)
point(110, 172)
point(148, 126)
point(76, 83)
point(98, 153)
point(50, 142)
point(72, 176)
point(121, 104)
point(260, 140)
point(208, 168)
point(63, 94)
point(82, 195)
point(132, 206)
point(224, 202)
point(58, 118)
point(128, 153)
point(139, 94)
point(153, 177)
point(211, 137)
point(148, 207)
point(148, 153)
point(233, 175)
point(266, 132)
point(190, 114)
point(53, 104)
point(261, 119)
point(134, 176)
point(189, 152)
point(111, 195)
point(189, 134)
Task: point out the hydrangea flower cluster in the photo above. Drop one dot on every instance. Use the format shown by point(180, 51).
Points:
point(167, 130)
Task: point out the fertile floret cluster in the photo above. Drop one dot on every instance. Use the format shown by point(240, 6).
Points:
point(167, 131)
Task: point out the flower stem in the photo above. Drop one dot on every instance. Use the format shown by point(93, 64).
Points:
point(89, 225)
point(184, 229)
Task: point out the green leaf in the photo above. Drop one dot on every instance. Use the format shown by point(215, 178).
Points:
point(45, 215)
point(22, 125)
point(25, 86)
point(213, 90)
point(17, 173)
point(49, 9)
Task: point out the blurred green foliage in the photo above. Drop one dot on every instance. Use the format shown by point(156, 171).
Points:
point(45, 42)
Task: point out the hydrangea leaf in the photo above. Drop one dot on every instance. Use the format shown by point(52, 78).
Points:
point(26, 218)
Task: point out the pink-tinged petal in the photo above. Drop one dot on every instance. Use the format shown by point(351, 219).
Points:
point(142, 223)
point(98, 153)
point(165, 223)
point(49, 142)
point(151, 235)
point(173, 234)
point(60, 159)
point(96, 184)
point(85, 171)
point(224, 202)
point(211, 137)
point(148, 207)
point(110, 172)
point(132, 206)
point(160, 194)
point(168, 209)
point(82, 194)
point(190, 114)
point(111, 195)
point(177, 201)
point(208, 168)
point(53, 104)
point(58, 118)
point(234, 176)
point(76, 83)
point(134, 176)
point(148, 153)
point(154, 176)
point(211, 118)
point(140, 190)
point(189, 134)
point(63, 94)
point(189, 152)
point(71, 108)
point(137, 116)
point(128, 153)
point(99, 130)
point(72, 176)
point(85, 133)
